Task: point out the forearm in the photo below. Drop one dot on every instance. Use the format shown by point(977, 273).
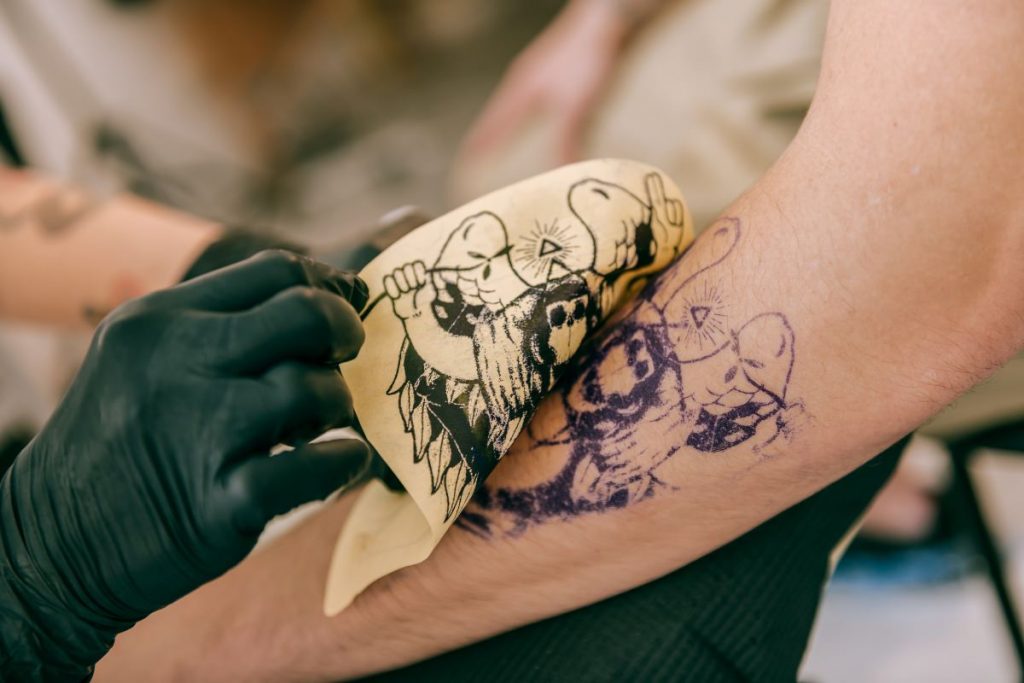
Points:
point(67, 257)
point(885, 247)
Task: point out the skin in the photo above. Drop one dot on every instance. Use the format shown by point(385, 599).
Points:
point(85, 255)
point(890, 237)
point(562, 74)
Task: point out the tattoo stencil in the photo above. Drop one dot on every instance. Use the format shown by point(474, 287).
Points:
point(675, 373)
point(472, 320)
point(519, 310)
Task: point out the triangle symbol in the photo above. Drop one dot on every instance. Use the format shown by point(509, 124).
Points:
point(547, 247)
point(699, 314)
point(557, 269)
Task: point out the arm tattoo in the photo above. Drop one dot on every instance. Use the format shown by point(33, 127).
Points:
point(676, 374)
point(54, 213)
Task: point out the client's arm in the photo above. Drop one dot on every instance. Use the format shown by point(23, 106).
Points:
point(868, 279)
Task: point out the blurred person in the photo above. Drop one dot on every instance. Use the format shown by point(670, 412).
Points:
point(607, 77)
point(853, 236)
point(138, 164)
point(216, 109)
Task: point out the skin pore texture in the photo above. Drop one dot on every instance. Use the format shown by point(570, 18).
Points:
point(883, 250)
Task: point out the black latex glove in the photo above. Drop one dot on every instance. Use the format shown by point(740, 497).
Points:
point(154, 474)
point(238, 244)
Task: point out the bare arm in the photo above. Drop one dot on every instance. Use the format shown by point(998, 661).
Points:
point(867, 280)
point(67, 257)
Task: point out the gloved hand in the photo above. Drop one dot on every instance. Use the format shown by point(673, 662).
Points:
point(154, 474)
point(237, 244)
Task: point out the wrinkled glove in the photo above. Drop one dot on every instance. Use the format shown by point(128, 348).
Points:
point(154, 475)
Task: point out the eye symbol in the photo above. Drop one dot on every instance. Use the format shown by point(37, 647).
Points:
point(556, 316)
point(601, 192)
point(487, 270)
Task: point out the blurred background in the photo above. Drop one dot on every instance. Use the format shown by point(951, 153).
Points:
point(310, 119)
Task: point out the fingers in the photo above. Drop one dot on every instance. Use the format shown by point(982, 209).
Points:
point(299, 324)
point(260, 488)
point(290, 403)
point(403, 280)
point(391, 287)
point(655, 188)
point(418, 273)
point(675, 212)
point(309, 400)
point(669, 211)
point(250, 282)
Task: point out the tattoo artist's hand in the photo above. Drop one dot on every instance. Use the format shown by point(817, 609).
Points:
point(562, 74)
point(154, 475)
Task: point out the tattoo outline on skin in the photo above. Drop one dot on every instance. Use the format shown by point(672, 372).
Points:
point(54, 213)
point(674, 365)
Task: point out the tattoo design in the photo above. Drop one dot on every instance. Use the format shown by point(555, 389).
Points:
point(54, 213)
point(488, 324)
point(675, 373)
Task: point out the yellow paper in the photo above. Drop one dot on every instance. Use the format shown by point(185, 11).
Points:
point(471, 320)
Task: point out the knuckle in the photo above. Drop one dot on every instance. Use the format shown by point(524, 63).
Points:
point(128, 325)
point(245, 500)
point(346, 412)
point(289, 382)
point(313, 303)
point(287, 264)
point(322, 309)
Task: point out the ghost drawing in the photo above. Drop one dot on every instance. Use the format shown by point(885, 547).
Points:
point(679, 345)
point(628, 232)
point(481, 348)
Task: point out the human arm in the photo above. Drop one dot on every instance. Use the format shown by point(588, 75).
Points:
point(562, 74)
point(889, 237)
point(68, 257)
point(154, 474)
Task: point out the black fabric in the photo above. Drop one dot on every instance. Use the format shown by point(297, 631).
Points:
point(742, 613)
